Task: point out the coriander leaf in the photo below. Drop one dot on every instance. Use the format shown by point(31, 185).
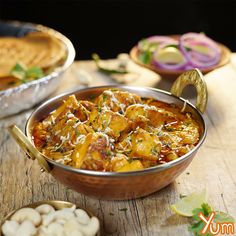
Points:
point(21, 72)
point(223, 217)
point(146, 50)
point(196, 228)
point(18, 71)
point(197, 224)
point(206, 209)
point(145, 57)
point(196, 213)
point(34, 72)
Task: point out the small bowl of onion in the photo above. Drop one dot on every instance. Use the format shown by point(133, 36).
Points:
point(50, 218)
point(170, 56)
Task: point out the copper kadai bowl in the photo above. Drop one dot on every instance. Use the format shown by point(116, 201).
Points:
point(114, 185)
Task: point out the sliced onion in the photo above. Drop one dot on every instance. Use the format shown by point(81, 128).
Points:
point(156, 39)
point(161, 39)
point(195, 58)
point(191, 45)
point(200, 38)
point(168, 65)
point(165, 66)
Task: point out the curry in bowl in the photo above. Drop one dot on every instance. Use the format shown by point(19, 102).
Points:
point(120, 146)
point(117, 131)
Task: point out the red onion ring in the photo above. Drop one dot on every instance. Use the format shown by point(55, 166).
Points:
point(157, 39)
point(200, 59)
point(187, 45)
point(168, 66)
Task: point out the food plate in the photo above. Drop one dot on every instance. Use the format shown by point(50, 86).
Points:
point(173, 74)
point(26, 95)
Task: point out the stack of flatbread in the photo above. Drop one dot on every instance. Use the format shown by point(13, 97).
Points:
point(36, 49)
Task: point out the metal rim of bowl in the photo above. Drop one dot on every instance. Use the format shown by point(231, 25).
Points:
point(149, 170)
point(58, 70)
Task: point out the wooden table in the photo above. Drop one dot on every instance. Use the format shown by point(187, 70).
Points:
point(214, 167)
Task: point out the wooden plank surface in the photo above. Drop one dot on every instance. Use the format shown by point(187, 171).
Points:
point(213, 168)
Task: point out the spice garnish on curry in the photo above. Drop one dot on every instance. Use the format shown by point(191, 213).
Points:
point(117, 131)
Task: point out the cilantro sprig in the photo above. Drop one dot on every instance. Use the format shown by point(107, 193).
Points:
point(25, 74)
point(196, 225)
point(146, 51)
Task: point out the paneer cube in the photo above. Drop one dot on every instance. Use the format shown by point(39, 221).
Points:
point(109, 122)
point(116, 100)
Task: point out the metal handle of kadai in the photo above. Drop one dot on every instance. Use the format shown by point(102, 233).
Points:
point(28, 147)
point(192, 77)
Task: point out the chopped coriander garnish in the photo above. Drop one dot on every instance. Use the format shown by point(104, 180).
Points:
point(145, 57)
point(154, 150)
point(109, 153)
point(24, 74)
point(197, 223)
point(18, 71)
point(34, 72)
point(104, 96)
point(147, 49)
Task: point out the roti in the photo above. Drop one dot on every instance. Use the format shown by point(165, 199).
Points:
point(35, 49)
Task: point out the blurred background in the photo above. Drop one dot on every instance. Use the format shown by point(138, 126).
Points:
point(109, 27)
